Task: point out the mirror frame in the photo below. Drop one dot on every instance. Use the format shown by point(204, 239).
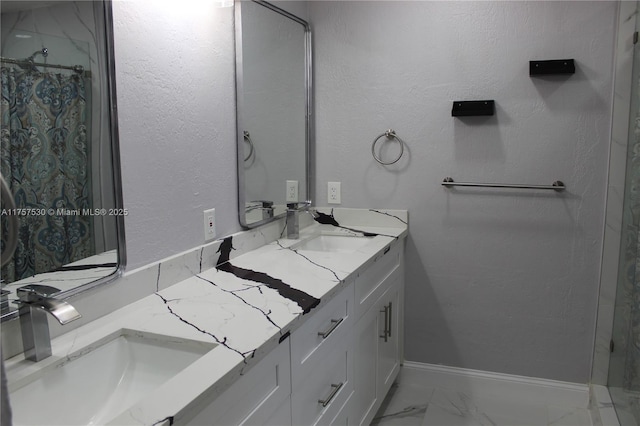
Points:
point(112, 111)
point(309, 124)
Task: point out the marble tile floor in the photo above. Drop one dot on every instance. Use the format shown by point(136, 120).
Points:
point(627, 405)
point(415, 404)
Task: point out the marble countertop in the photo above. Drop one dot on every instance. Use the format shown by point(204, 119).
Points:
point(246, 305)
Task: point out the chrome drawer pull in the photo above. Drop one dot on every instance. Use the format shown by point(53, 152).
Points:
point(333, 393)
point(390, 318)
point(334, 323)
point(385, 332)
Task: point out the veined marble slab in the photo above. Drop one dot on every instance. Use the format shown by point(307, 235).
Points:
point(255, 290)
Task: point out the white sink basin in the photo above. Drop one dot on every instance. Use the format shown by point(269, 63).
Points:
point(95, 384)
point(334, 243)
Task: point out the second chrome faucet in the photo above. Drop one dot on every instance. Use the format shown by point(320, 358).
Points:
point(293, 223)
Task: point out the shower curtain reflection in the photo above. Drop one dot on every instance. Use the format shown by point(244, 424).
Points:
point(44, 151)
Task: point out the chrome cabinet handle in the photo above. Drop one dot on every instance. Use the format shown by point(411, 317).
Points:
point(390, 318)
point(385, 332)
point(387, 321)
point(334, 323)
point(333, 393)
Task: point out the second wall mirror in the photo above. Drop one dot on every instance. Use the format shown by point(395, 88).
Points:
point(273, 82)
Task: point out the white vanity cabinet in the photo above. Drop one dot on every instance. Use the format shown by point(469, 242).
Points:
point(378, 332)
point(352, 368)
point(336, 368)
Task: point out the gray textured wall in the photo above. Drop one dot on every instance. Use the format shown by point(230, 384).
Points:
point(500, 281)
point(176, 100)
point(497, 280)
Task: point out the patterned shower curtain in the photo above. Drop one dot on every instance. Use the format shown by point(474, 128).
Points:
point(44, 153)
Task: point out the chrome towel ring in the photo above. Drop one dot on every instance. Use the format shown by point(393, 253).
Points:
point(390, 134)
point(247, 138)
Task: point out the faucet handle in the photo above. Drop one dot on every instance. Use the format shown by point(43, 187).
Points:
point(33, 292)
point(301, 205)
point(265, 203)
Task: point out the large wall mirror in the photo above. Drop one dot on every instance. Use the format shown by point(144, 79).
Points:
point(273, 75)
point(59, 153)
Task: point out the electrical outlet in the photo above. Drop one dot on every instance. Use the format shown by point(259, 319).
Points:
point(333, 192)
point(209, 224)
point(292, 191)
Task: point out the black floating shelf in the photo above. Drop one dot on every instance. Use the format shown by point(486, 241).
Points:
point(555, 66)
point(471, 108)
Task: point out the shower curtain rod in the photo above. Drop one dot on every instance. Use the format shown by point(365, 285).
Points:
point(77, 68)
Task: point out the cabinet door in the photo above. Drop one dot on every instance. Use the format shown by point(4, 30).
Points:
point(365, 362)
point(377, 353)
point(344, 415)
point(389, 345)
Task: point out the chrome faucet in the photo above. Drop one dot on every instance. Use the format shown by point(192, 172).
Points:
point(266, 206)
point(293, 225)
point(35, 301)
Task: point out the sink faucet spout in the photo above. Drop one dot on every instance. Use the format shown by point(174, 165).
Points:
point(35, 302)
point(62, 311)
point(293, 224)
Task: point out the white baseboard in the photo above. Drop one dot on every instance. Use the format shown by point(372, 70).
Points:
point(601, 407)
point(547, 391)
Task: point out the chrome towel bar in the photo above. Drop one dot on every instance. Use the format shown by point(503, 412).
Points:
point(556, 186)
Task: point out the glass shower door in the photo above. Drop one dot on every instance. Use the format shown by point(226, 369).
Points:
point(624, 365)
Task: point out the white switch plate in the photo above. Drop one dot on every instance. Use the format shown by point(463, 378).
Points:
point(292, 191)
point(333, 193)
point(209, 224)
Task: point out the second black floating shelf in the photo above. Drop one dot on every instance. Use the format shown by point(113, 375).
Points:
point(473, 108)
point(552, 67)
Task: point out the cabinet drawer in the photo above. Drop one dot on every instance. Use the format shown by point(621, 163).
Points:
point(343, 418)
point(319, 335)
point(255, 398)
point(320, 397)
point(374, 280)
